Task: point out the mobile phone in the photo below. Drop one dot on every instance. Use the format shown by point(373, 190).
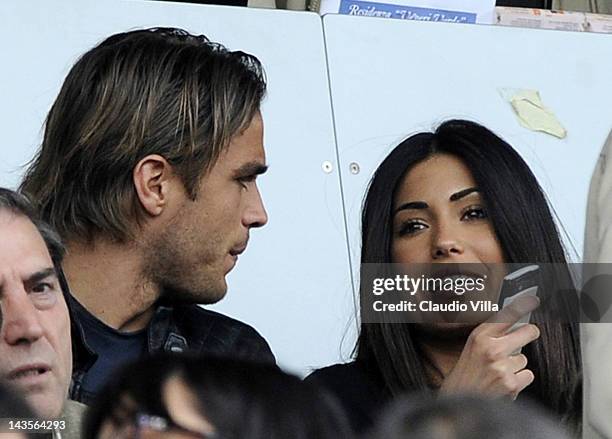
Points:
point(521, 282)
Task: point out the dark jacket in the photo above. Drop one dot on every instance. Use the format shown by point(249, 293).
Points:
point(358, 390)
point(184, 328)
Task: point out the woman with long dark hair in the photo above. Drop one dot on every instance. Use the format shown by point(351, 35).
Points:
point(460, 194)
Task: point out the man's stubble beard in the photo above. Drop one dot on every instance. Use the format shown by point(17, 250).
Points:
point(182, 272)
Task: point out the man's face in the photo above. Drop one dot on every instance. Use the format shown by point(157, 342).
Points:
point(35, 348)
point(201, 244)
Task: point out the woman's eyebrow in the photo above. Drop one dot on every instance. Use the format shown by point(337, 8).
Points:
point(419, 205)
point(411, 205)
point(463, 193)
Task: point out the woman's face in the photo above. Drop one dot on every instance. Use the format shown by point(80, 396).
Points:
point(439, 216)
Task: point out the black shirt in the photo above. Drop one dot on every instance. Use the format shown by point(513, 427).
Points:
point(180, 328)
point(359, 392)
point(114, 349)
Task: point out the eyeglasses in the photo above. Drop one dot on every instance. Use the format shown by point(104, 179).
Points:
point(140, 425)
point(163, 424)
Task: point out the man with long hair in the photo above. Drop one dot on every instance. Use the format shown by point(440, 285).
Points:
point(148, 171)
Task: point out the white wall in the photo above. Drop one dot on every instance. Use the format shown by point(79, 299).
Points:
point(387, 79)
point(392, 78)
point(293, 282)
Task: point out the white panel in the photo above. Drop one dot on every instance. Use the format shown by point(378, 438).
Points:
point(390, 79)
point(293, 283)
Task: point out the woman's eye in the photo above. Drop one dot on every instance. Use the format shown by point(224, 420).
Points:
point(473, 213)
point(411, 227)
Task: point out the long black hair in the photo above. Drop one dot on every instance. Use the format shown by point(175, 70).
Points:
point(241, 400)
point(527, 233)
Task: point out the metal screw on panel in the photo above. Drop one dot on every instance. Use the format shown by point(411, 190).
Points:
point(327, 167)
point(354, 167)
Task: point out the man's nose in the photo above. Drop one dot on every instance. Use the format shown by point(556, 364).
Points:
point(19, 319)
point(255, 214)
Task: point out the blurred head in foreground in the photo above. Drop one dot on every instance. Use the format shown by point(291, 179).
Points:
point(189, 397)
point(465, 417)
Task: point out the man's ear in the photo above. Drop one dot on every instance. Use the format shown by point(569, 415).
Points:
point(153, 178)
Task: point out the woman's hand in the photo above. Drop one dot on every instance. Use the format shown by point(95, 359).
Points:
point(488, 363)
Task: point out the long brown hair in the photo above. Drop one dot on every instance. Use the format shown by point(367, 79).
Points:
point(154, 91)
